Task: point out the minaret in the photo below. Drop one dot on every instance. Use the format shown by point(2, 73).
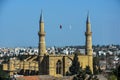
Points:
point(88, 48)
point(88, 34)
point(41, 46)
point(41, 33)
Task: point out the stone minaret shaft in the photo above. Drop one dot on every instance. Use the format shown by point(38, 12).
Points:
point(41, 33)
point(88, 34)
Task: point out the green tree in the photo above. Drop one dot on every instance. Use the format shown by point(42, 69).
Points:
point(112, 77)
point(80, 75)
point(87, 70)
point(3, 75)
point(75, 67)
point(117, 72)
point(96, 65)
point(76, 70)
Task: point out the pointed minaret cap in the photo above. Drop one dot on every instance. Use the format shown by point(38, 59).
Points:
point(41, 17)
point(88, 18)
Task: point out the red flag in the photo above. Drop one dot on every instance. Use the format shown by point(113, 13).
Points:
point(60, 26)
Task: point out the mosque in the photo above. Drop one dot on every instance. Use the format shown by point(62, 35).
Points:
point(50, 64)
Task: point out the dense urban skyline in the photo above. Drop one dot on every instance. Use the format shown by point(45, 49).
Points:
point(19, 22)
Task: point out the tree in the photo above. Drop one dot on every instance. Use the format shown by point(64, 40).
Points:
point(80, 76)
point(118, 74)
point(112, 77)
point(87, 70)
point(75, 67)
point(3, 75)
point(76, 70)
point(96, 65)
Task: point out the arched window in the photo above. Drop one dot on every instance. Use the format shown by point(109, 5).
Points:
point(58, 67)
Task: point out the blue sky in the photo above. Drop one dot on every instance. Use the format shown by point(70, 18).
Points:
point(19, 22)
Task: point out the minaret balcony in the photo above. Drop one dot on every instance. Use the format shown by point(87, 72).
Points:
point(41, 34)
point(88, 33)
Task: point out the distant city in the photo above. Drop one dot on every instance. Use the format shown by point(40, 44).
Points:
point(97, 50)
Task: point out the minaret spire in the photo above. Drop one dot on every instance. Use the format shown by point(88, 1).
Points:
point(88, 18)
point(41, 17)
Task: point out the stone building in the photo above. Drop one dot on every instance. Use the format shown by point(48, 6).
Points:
point(50, 64)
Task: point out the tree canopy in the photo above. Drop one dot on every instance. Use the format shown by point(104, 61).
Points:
point(75, 67)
